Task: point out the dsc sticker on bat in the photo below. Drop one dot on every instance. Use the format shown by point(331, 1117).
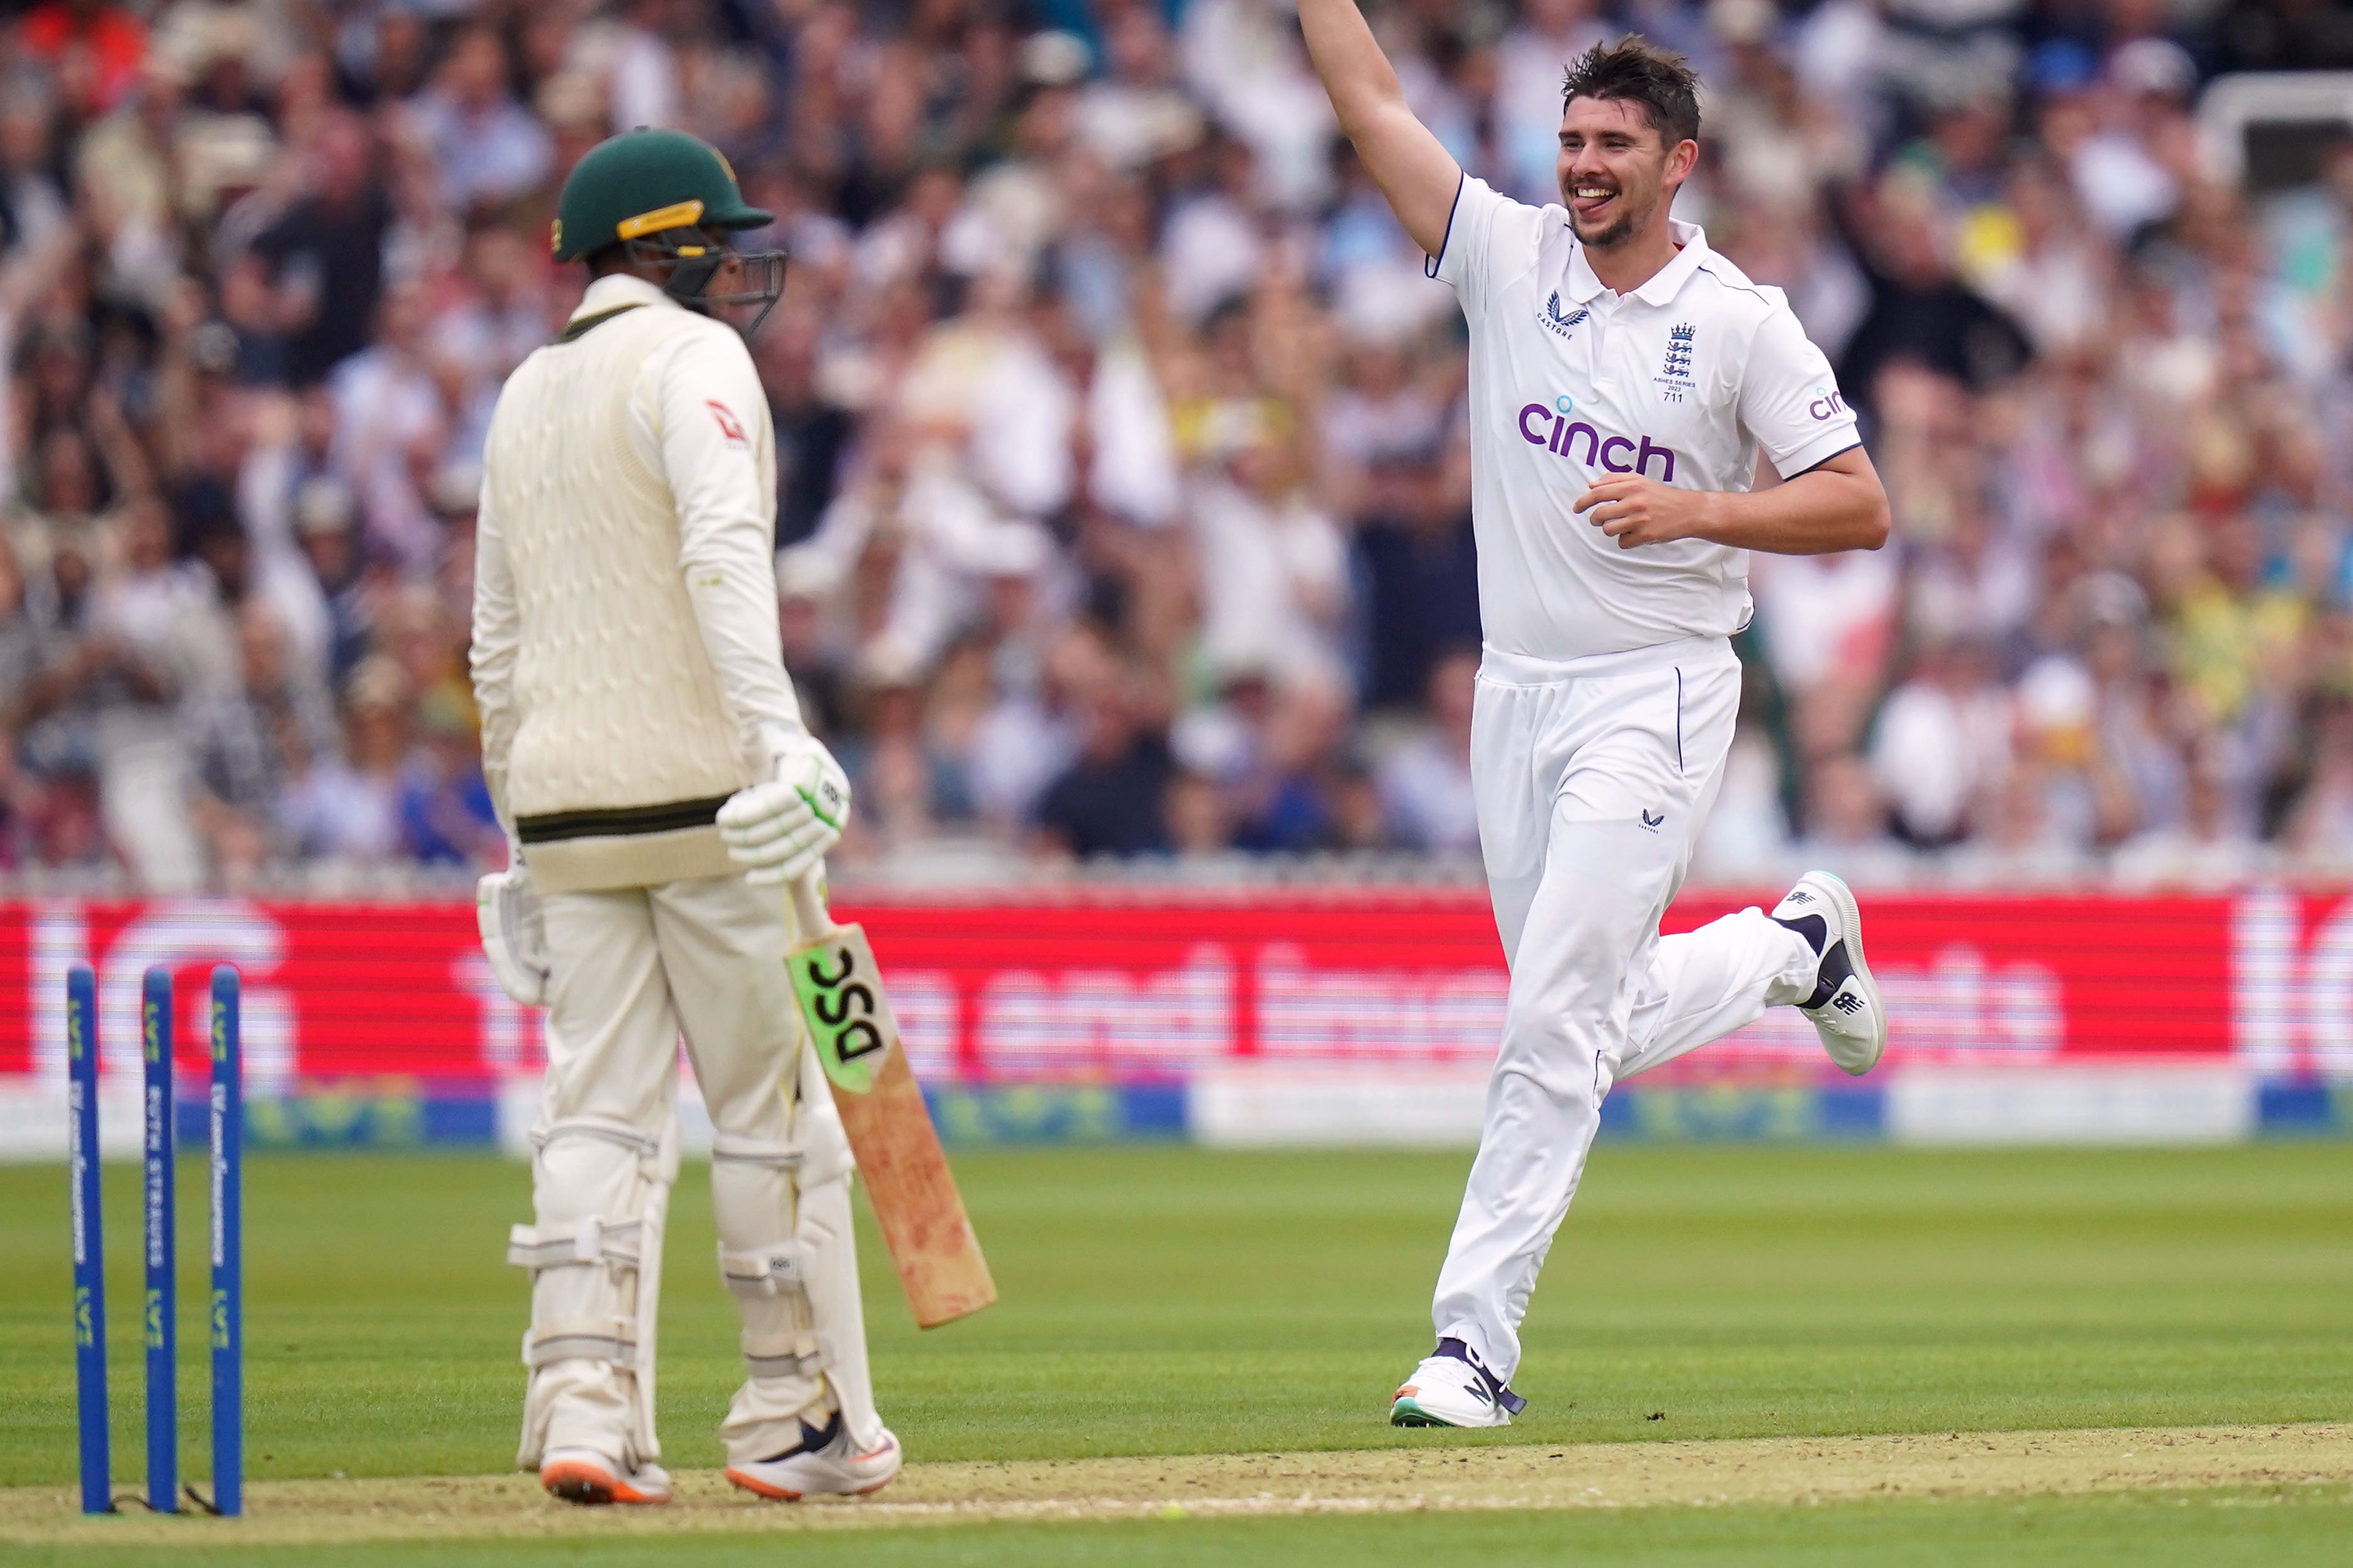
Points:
point(849, 1013)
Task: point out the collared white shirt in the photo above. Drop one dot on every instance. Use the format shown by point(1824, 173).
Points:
point(1685, 379)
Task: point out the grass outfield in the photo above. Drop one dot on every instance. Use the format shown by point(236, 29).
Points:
point(1176, 1301)
point(2287, 1527)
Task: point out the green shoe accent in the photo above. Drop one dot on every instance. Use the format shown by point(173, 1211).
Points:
point(1406, 1413)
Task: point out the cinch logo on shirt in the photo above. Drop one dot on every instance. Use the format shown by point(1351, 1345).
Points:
point(1827, 404)
point(1605, 451)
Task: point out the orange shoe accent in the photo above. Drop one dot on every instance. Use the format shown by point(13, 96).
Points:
point(592, 1486)
point(760, 1487)
point(1408, 1392)
point(775, 1493)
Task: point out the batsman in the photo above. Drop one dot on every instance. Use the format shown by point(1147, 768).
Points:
point(648, 758)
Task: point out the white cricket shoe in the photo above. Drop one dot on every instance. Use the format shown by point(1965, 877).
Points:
point(827, 1464)
point(1845, 1007)
point(587, 1477)
point(1449, 1389)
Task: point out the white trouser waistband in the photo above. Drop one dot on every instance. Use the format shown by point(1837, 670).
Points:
point(1529, 669)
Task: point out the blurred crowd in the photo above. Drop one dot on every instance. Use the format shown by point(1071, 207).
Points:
point(1124, 492)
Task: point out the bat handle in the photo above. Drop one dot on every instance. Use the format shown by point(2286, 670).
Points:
point(806, 906)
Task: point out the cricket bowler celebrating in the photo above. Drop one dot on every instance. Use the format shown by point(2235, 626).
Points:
point(646, 755)
point(1624, 380)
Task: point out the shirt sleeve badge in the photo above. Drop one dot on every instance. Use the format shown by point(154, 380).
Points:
point(730, 427)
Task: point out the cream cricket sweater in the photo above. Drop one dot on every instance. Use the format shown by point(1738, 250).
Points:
point(625, 647)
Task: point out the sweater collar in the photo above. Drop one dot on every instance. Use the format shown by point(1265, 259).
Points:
point(615, 290)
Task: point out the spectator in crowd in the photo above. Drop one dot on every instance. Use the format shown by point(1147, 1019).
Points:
point(488, 149)
point(1120, 435)
point(1419, 572)
point(323, 259)
point(1943, 735)
point(1113, 799)
point(1425, 783)
point(343, 806)
point(249, 741)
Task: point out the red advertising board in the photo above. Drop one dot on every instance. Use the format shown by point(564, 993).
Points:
point(1130, 987)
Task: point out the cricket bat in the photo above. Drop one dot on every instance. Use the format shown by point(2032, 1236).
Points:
point(907, 1178)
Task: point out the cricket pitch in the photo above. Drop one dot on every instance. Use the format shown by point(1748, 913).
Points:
point(1777, 1470)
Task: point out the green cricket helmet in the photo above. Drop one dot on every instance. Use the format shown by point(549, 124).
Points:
point(670, 200)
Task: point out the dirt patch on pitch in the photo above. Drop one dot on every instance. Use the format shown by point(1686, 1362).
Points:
point(1786, 1470)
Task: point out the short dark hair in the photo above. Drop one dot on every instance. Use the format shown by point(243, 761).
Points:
point(1639, 71)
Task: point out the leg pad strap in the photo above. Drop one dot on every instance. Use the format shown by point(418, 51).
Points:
point(613, 1339)
point(769, 1271)
point(649, 1148)
point(818, 1153)
point(796, 1353)
point(755, 1152)
point(592, 1240)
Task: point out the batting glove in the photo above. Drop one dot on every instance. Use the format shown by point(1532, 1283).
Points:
point(514, 933)
point(779, 831)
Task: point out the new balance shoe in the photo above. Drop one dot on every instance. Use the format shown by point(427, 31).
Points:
point(587, 1477)
point(1451, 1389)
point(1845, 1008)
point(827, 1464)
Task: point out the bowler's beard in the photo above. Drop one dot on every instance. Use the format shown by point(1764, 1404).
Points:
point(1629, 214)
point(1616, 232)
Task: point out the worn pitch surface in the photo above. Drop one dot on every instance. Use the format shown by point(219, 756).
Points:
point(1806, 1470)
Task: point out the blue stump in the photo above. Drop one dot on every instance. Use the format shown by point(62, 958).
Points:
point(162, 1288)
point(89, 1239)
point(228, 1246)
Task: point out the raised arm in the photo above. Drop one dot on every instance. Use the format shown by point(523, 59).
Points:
point(1414, 171)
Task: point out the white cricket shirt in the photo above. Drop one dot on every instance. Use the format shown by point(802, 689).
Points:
point(1685, 379)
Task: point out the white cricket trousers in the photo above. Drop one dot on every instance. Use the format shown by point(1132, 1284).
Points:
point(632, 970)
point(1591, 779)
